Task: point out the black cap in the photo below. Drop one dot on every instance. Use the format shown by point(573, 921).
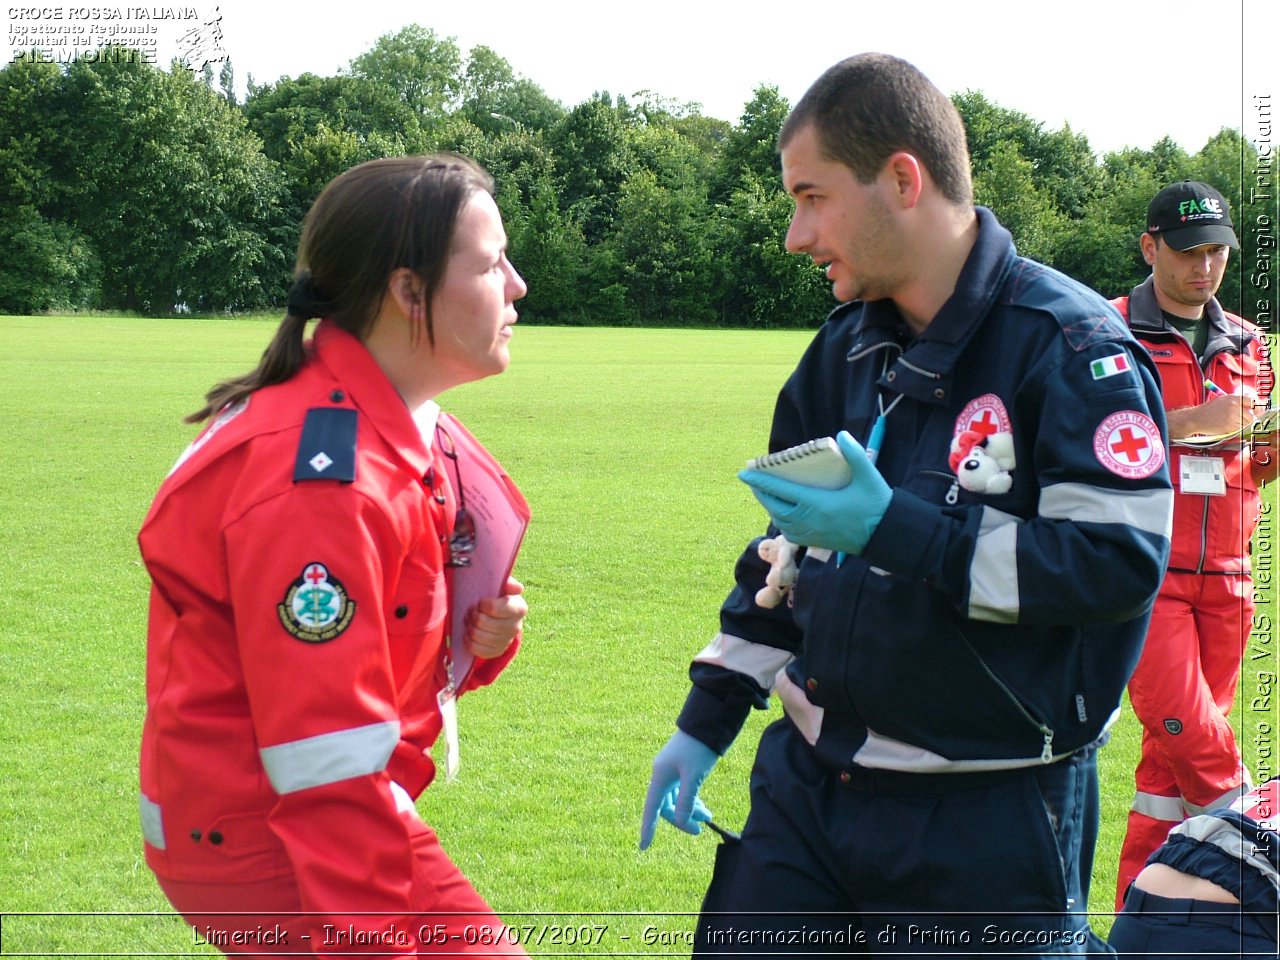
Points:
point(1191, 214)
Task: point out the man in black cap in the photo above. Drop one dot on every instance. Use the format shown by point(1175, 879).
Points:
point(1215, 374)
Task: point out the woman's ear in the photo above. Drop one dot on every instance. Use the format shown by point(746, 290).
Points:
point(407, 291)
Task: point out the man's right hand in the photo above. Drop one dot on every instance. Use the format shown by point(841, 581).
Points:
point(1217, 416)
point(678, 772)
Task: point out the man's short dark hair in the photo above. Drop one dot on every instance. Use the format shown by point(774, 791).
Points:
point(873, 105)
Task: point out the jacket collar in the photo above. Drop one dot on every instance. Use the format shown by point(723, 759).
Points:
point(1145, 316)
point(366, 387)
point(924, 368)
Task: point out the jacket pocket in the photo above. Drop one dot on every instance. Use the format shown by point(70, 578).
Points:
point(415, 616)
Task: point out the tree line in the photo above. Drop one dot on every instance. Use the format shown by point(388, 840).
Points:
point(128, 187)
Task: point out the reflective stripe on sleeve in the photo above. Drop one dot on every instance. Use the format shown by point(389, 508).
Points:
point(1150, 511)
point(993, 574)
point(152, 824)
point(330, 757)
point(755, 660)
point(1157, 807)
point(1225, 800)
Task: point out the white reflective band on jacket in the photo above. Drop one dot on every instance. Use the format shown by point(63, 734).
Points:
point(1177, 809)
point(1228, 798)
point(885, 753)
point(1148, 510)
point(879, 752)
point(330, 757)
point(1159, 808)
point(993, 593)
point(152, 825)
point(993, 574)
point(757, 661)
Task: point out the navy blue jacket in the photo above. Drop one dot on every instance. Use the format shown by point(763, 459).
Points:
point(977, 630)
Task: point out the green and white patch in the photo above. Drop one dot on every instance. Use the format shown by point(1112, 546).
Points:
point(316, 608)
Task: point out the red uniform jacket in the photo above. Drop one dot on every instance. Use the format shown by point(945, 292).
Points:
point(1210, 533)
point(296, 639)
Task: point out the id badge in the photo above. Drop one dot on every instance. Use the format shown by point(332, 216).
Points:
point(448, 702)
point(1203, 475)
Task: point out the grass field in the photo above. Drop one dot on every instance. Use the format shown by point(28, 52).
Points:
point(625, 443)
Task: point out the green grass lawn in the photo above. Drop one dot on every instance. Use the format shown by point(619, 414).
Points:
point(625, 443)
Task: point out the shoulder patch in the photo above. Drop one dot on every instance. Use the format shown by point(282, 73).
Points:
point(1128, 444)
point(327, 450)
point(316, 608)
point(1105, 367)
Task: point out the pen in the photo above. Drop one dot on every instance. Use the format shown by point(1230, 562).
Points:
point(725, 834)
point(876, 440)
point(1213, 387)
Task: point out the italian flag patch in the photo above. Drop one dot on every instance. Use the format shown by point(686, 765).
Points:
point(1109, 366)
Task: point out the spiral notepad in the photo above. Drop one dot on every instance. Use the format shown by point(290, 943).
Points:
point(817, 463)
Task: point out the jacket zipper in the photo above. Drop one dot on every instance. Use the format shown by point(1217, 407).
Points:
point(953, 493)
point(1202, 373)
point(1204, 513)
point(1046, 732)
point(1204, 533)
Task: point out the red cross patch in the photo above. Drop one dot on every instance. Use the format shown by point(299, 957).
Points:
point(1129, 445)
point(985, 415)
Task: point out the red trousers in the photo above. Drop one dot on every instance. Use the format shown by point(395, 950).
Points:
point(1182, 692)
point(261, 918)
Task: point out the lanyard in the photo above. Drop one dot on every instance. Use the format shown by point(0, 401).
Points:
point(875, 442)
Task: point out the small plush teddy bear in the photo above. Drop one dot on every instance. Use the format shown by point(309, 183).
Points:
point(780, 554)
point(982, 462)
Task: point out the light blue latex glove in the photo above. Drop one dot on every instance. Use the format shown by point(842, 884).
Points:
point(842, 519)
point(678, 772)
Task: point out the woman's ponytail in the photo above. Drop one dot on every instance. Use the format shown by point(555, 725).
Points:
point(282, 358)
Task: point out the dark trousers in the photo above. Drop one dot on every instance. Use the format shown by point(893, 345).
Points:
point(876, 862)
point(1153, 926)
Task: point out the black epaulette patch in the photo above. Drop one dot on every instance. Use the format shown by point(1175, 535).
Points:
point(327, 450)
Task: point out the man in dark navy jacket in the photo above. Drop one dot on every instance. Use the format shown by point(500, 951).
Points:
point(955, 649)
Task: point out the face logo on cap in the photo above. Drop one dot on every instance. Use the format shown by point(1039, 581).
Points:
point(1208, 207)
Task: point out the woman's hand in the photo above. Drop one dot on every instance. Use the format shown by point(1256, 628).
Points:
point(496, 621)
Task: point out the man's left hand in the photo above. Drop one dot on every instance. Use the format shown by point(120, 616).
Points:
point(842, 519)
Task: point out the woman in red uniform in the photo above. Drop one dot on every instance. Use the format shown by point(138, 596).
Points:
point(297, 653)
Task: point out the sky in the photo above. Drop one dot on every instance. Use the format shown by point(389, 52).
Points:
point(1121, 72)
